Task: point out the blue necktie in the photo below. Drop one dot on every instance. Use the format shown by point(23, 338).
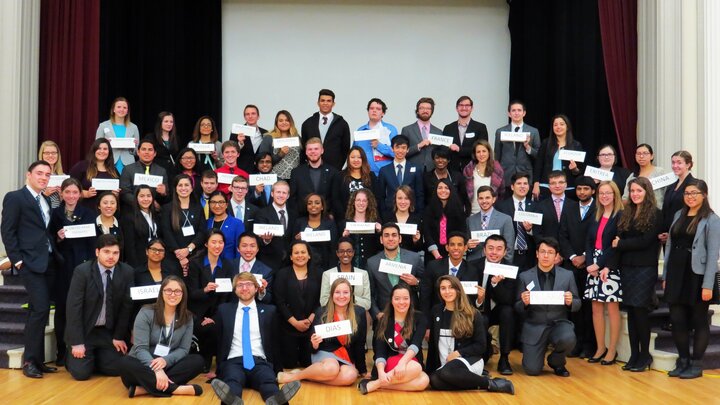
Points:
point(268, 189)
point(453, 271)
point(248, 360)
point(400, 174)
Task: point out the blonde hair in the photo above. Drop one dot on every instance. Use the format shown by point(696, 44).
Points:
point(57, 167)
point(276, 133)
point(617, 199)
point(329, 314)
point(126, 120)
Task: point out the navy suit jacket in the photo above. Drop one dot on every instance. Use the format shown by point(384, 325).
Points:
point(24, 232)
point(388, 184)
point(257, 268)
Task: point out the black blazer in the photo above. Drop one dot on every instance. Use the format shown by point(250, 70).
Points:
point(24, 232)
point(174, 239)
point(636, 247)
point(384, 346)
point(462, 158)
point(544, 162)
point(301, 186)
point(136, 238)
point(341, 193)
point(337, 140)
point(673, 201)
point(470, 348)
point(274, 253)
point(127, 185)
point(200, 303)
point(507, 207)
point(323, 253)
point(430, 182)
point(407, 240)
point(249, 215)
point(72, 251)
point(356, 346)
point(269, 333)
point(86, 297)
point(164, 156)
point(246, 159)
point(429, 296)
point(502, 294)
point(573, 233)
point(550, 225)
point(294, 302)
point(608, 235)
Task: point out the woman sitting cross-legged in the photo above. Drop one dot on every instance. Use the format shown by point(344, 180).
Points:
point(336, 360)
point(158, 363)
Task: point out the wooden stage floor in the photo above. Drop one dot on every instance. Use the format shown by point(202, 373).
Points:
point(588, 384)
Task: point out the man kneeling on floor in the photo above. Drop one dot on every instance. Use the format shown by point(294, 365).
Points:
point(248, 326)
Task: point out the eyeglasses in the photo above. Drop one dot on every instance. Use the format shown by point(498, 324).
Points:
point(188, 158)
point(206, 125)
point(168, 291)
point(240, 188)
point(246, 284)
point(345, 252)
point(547, 252)
point(642, 153)
point(465, 105)
point(218, 203)
point(50, 153)
point(156, 250)
point(692, 193)
point(606, 194)
point(606, 155)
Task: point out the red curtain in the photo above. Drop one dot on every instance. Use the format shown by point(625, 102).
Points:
point(69, 76)
point(618, 29)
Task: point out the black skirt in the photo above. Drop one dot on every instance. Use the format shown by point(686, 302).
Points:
point(638, 284)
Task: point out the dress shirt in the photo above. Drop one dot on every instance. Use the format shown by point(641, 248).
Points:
point(238, 209)
point(255, 337)
point(450, 266)
point(43, 204)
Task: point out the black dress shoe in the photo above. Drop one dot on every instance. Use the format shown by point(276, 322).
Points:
point(641, 366)
point(501, 385)
point(561, 371)
point(597, 359)
point(630, 363)
point(223, 392)
point(504, 366)
point(31, 370)
point(604, 362)
point(285, 395)
point(47, 369)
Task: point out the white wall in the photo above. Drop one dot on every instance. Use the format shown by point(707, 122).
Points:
point(278, 54)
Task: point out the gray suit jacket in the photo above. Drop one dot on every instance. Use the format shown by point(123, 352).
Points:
point(380, 284)
point(705, 249)
point(105, 130)
point(146, 335)
point(497, 220)
point(540, 317)
point(421, 158)
point(512, 159)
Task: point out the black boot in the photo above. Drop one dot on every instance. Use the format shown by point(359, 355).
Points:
point(680, 365)
point(694, 370)
point(501, 385)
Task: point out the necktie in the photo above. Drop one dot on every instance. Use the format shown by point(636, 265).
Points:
point(239, 212)
point(42, 213)
point(283, 220)
point(268, 189)
point(453, 271)
point(546, 283)
point(583, 211)
point(400, 174)
point(232, 170)
point(424, 132)
point(558, 207)
point(248, 360)
point(108, 300)
point(206, 206)
point(324, 120)
point(517, 144)
point(147, 169)
point(520, 230)
point(245, 267)
point(484, 224)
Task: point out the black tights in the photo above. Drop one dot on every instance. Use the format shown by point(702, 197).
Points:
point(687, 317)
point(639, 331)
point(455, 376)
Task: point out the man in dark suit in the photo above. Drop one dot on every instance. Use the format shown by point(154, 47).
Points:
point(273, 249)
point(257, 141)
point(553, 209)
point(486, 220)
point(524, 243)
point(260, 194)
point(98, 312)
point(208, 185)
point(517, 156)
point(381, 283)
point(29, 246)
point(247, 350)
point(420, 149)
point(495, 299)
point(331, 128)
point(249, 246)
point(453, 265)
point(399, 172)
point(239, 206)
point(573, 236)
point(315, 176)
point(465, 132)
point(546, 324)
point(145, 165)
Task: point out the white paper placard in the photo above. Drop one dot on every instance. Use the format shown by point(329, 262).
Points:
point(223, 285)
point(105, 184)
point(397, 268)
point(498, 269)
point(663, 181)
point(333, 329)
point(360, 227)
point(80, 231)
point(527, 216)
point(576, 155)
point(57, 179)
point(246, 130)
point(470, 287)
point(482, 235)
point(204, 148)
point(258, 277)
point(547, 297)
point(511, 136)
point(149, 179)
point(436, 139)
point(315, 236)
point(598, 173)
point(281, 142)
point(353, 278)
point(407, 229)
point(226, 178)
point(262, 229)
point(5, 260)
point(146, 292)
point(367, 135)
point(264, 179)
point(122, 143)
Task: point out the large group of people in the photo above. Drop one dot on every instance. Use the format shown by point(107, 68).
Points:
point(265, 244)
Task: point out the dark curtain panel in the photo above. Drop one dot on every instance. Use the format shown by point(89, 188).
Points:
point(618, 26)
point(68, 88)
point(556, 66)
point(162, 55)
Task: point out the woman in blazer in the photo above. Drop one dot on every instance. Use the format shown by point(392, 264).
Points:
point(607, 159)
point(455, 359)
point(483, 170)
point(230, 226)
point(140, 225)
point(166, 144)
point(119, 126)
point(445, 214)
point(689, 276)
point(404, 213)
point(602, 285)
point(636, 257)
point(345, 253)
point(548, 158)
point(98, 164)
point(316, 219)
point(106, 222)
point(362, 207)
point(673, 201)
point(159, 363)
point(182, 223)
point(356, 175)
point(337, 360)
point(398, 346)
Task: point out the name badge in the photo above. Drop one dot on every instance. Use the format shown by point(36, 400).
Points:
point(292, 141)
point(334, 329)
point(397, 268)
point(161, 350)
point(530, 286)
point(226, 178)
point(443, 140)
point(469, 135)
point(407, 229)
point(353, 278)
point(145, 292)
point(412, 169)
point(149, 179)
point(547, 297)
point(598, 173)
point(223, 285)
point(527, 216)
point(567, 154)
point(483, 235)
point(469, 287)
point(264, 179)
point(497, 269)
point(188, 231)
point(106, 130)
